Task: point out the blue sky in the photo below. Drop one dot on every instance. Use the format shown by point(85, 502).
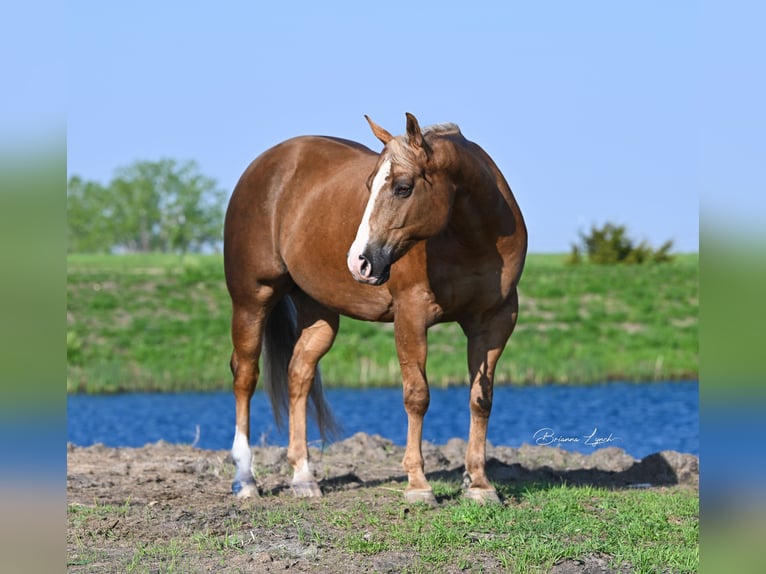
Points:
point(591, 110)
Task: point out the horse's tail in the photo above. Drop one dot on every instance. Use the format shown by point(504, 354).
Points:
point(278, 345)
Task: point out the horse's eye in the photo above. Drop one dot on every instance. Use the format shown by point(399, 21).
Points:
point(402, 190)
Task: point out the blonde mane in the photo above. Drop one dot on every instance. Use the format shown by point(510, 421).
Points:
point(445, 128)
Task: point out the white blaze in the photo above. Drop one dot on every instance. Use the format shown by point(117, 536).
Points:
point(363, 233)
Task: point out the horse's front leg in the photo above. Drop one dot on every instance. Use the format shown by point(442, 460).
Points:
point(412, 348)
point(486, 341)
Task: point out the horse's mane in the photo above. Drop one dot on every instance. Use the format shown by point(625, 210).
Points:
point(445, 128)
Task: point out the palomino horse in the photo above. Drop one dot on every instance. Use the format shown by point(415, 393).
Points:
point(424, 232)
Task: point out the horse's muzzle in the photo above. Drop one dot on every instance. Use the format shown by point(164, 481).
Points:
point(372, 266)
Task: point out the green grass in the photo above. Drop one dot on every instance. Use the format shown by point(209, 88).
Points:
point(655, 530)
point(566, 522)
point(651, 530)
point(155, 322)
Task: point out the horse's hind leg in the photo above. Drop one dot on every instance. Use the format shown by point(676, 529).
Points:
point(247, 324)
point(317, 327)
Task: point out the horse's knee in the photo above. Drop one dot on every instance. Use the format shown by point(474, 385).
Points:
point(481, 406)
point(416, 400)
point(481, 398)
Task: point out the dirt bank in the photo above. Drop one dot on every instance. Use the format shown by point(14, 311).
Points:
point(124, 502)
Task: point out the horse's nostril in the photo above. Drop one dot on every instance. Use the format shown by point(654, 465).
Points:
point(365, 268)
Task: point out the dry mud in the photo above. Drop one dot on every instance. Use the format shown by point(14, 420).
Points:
point(167, 492)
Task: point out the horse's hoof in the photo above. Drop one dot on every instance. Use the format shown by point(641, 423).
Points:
point(244, 489)
point(420, 495)
point(482, 495)
point(306, 490)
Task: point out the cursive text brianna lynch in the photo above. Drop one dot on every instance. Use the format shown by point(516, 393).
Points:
point(546, 437)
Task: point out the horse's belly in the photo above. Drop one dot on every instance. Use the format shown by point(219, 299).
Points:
point(338, 291)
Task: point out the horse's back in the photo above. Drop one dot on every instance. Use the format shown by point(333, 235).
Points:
point(277, 167)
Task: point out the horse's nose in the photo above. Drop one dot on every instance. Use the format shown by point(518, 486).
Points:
point(369, 265)
point(360, 265)
point(365, 268)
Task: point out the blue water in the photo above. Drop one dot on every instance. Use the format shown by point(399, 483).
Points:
point(641, 418)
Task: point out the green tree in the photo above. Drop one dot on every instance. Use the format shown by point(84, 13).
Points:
point(89, 211)
point(148, 206)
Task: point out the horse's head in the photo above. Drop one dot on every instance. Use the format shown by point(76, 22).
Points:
point(410, 200)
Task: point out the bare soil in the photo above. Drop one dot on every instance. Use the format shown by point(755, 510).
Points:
point(129, 507)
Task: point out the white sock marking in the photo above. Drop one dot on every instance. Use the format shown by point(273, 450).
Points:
point(240, 452)
point(303, 473)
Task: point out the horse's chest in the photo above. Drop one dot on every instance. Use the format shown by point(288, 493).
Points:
point(451, 280)
point(474, 289)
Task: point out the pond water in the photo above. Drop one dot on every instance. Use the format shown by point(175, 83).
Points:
point(641, 418)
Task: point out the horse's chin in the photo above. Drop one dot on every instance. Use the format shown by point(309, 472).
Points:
point(385, 276)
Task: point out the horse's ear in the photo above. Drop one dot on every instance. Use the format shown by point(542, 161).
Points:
point(415, 135)
point(379, 132)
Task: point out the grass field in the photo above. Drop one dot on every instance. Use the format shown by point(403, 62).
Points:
point(645, 531)
point(161, 323)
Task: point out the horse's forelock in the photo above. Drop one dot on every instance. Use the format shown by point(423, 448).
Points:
point(400, 152)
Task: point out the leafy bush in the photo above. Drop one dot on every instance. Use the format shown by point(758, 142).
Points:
point(610, 244)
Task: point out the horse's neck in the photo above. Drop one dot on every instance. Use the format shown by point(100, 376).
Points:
point(481, 210)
